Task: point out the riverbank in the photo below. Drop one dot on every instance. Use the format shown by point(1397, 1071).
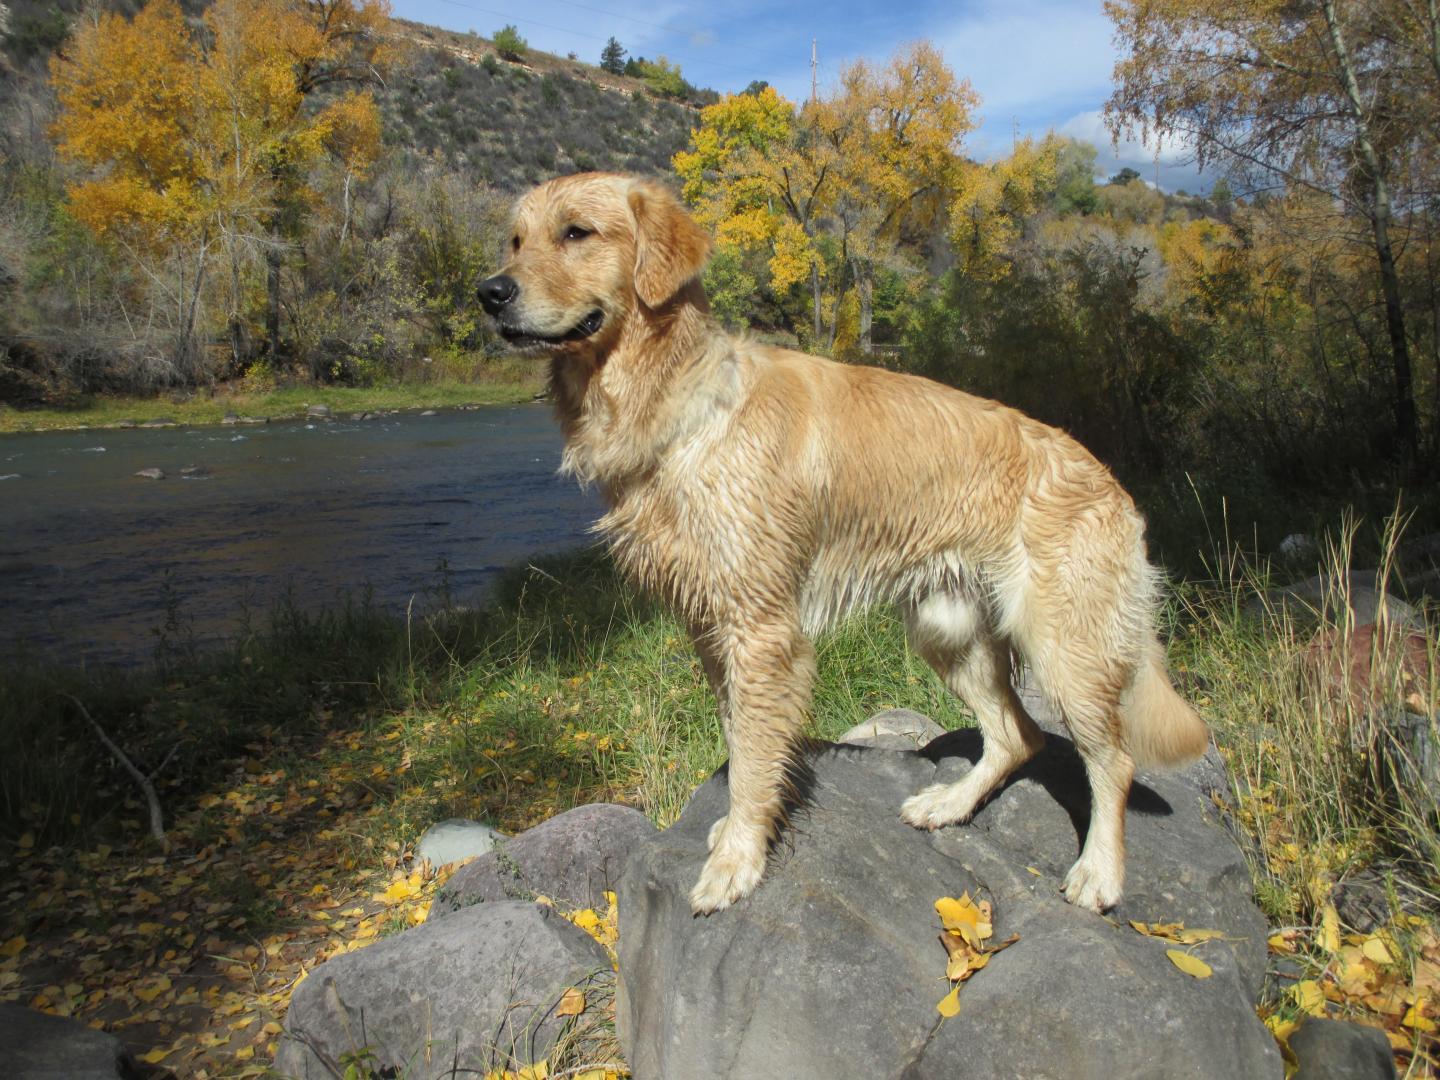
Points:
point(297, 767)
point(508, 384)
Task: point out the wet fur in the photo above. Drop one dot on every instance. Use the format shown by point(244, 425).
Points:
point(767, 493)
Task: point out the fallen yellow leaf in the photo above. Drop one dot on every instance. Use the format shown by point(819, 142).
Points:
point(950, 1004)
point(572, 1003)
point(1375, 949)
point(1309, 997)
point(1190, 965)
point(14, 946)
point(1330, 929)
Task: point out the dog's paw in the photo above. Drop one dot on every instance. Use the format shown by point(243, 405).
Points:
point(938, 805)
point(1095, 885)
point(715, 830)
point(729, 875)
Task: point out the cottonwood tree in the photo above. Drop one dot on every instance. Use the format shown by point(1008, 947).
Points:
point(206, 139)
point(1335, 96)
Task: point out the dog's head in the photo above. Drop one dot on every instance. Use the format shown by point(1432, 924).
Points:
point(586, 253)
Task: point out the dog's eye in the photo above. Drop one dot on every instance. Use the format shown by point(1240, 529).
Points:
point(575, 232)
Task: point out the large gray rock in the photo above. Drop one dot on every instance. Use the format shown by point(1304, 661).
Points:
point(1336, 1050)
point(573, 859)
point(1329, 595)
point(476, 991)
point(894, 729)
point(37, 1046)
point(456, 839)
point(832, 968)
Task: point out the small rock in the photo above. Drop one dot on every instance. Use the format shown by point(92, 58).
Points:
point(573, 858)
point(456, 839)
point(1298, 547)
point(254, 420)
point(160, 422)
point(317, 410)
point(230, 418)
point(152, 474)
point(127, 424)
point(194, 471)
point(1337, 1050)
point(467, 991)
point(38, 1046)
point(428, 412)
point(894, 729)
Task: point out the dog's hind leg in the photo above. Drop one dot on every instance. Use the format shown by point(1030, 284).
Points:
point(949, 632)
point(767, 672)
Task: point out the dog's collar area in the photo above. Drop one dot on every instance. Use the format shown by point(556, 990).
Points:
point(586, 327)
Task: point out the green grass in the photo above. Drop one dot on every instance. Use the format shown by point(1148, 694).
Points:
point(510, 384)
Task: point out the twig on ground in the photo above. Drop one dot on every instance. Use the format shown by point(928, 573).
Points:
point(157, 819)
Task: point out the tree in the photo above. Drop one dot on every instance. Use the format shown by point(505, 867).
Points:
point(1123, 177)
point(1074, 177)
point(1333, 96)
point(662, 77)
point(755, 87)
point(509, 44)
point(208, 140)
point(992, 203)
point(895, 131)
point(612, 57)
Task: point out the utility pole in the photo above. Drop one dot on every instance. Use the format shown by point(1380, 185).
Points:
point(814, 70)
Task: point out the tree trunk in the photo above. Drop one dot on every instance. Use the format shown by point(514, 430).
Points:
point(815, 293)
point(273, 258)
point(1381, 214)
point(865, 288)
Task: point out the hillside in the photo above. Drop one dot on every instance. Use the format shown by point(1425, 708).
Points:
point(512, 124)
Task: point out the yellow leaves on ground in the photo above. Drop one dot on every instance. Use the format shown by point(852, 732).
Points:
point(14, 947)
point(968, 927)
point(572, 1003)
point(1190, 964)
point(603, 928)
point(539, 1071)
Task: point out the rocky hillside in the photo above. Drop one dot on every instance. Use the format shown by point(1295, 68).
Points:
point(512, 124)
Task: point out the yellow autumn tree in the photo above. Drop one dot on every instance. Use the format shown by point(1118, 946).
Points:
point(896, 132)
point(994, 200)
point(759, 174)
point(199, 141)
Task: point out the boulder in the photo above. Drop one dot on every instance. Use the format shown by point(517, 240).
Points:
point(37, 1046)
point(832, 968)
point(573, 859)
point(1329, 595)
point(151, 474)
point(894, 729)
point(320, 411)
point(455, 840)
point(160, 422)
point(1336, 1050)
point(471, 993)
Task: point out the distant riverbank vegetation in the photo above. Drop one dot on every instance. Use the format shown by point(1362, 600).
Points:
point(186, 205)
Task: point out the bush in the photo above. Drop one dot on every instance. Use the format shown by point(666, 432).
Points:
point(508, 43)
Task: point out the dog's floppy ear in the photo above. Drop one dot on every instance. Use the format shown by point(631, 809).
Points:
point(670, 248)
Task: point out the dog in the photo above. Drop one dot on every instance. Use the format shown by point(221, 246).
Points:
point(767, 493)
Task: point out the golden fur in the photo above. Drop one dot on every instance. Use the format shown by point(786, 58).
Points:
point(766, 493)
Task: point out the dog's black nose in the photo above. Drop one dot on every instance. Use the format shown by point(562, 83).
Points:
point(498, 291)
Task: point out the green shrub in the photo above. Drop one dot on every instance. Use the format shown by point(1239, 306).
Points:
point(508, 43)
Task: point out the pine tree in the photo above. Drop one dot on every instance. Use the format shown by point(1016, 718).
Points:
point(612, 57)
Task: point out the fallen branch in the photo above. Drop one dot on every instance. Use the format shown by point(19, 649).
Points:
point(157, 820)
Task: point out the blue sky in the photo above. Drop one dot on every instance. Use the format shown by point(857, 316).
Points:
point(1038, 64)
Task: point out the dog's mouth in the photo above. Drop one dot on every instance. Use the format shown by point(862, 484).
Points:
point(523, 338)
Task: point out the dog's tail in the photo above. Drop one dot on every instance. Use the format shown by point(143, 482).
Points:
point(1160, 727)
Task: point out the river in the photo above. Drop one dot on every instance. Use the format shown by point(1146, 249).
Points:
point(94, 559)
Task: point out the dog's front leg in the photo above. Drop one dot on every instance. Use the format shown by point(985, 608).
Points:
point(766, 672)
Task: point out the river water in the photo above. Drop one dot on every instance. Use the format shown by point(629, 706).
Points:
point(93, 559)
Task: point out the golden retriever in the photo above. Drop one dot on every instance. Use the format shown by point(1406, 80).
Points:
point(767, 493)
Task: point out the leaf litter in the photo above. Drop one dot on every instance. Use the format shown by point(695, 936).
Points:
point(968, 928)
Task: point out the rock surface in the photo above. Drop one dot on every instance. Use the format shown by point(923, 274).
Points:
point(1329, 595)
point(475, 991)
point(37, 1046)
point(1336, 1050)
point(456, 839)
point(572, 858)
point(151, 474)
point(894, 729)
point(832, 968)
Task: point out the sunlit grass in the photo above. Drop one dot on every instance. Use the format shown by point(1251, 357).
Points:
point(508, 383)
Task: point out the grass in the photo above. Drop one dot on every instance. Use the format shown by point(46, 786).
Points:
point(326, 742)
point(511, 383)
